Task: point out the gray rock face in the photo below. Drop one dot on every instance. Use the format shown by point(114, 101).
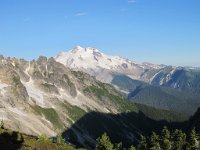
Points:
point(44, 96)
point(10, 77)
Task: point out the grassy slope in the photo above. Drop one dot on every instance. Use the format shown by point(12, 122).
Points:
point(50, 114)
point(102, 91)
point(74, 112)
point(11, 140)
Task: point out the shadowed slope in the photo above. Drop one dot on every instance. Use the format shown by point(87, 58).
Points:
point(124, 127)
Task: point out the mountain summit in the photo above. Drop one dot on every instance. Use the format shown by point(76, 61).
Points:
point(93, 61)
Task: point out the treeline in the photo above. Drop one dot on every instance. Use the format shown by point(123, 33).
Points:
point(166, 140)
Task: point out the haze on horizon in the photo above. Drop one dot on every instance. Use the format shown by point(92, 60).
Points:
point(156, 31)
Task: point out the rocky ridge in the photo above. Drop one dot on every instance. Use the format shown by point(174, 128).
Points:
point(44, 97)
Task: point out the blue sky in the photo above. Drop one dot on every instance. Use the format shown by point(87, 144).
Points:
point(157, 31)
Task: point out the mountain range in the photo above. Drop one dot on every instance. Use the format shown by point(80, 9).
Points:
point(160, 86)
point(44, 96)
point(83, 93)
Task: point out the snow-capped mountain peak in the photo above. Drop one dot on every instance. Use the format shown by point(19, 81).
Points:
point(80, 57)
point(94, 62)
point(89, 57)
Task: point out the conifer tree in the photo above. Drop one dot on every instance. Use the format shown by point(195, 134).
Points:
point(166, 142)
point(179, 140)
point(154, 142)
point(193, 140)
point(103, 143)
point(118, 146)
point(132, 148)
point(143, 143)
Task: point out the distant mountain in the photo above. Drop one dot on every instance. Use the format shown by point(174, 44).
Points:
point(183, 79)
point(160, 86)
point(158, 96)
point(102, 66)
point(105, 67)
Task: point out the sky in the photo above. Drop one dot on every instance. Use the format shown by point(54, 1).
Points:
point(156, 31)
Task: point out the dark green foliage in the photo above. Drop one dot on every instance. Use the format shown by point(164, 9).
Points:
point(166, 98)
point(194, 140)
point(194, 121)
point(179, 139)
point(166, 142)
point(103, 143)
point(102, 93)
point(160, 114)
point(143, 143)
point(118, 146)
point(132, 148)
point(50, 114)
point(154, 142)
point(74, 112)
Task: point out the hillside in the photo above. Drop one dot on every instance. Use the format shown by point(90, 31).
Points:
point(194, 122)
point(12, 140)
point(45, 97)
point(156, 96)
point(160, 114)
point(47, 93)
point(124, 127)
